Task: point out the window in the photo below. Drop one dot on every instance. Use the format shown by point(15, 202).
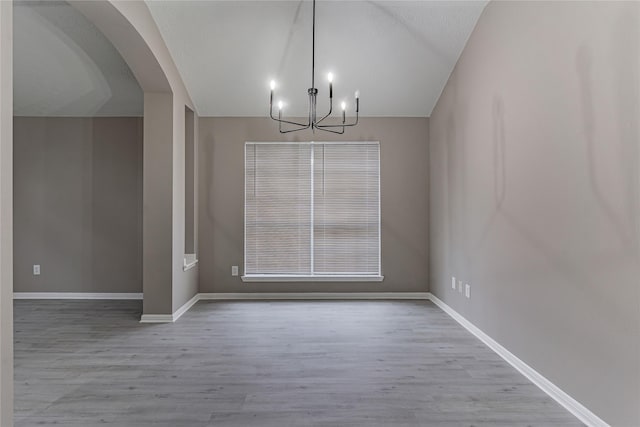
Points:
point(190, 258)
point(312, 211)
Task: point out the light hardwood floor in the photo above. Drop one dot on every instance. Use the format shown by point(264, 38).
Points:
point(298, 363)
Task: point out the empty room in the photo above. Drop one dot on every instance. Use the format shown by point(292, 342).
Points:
point(319, 213)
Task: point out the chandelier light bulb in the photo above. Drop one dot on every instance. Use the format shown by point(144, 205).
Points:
point(273, 84)
point(343, 105)
point(280, 105)
point(357, 94)
point(330, 77)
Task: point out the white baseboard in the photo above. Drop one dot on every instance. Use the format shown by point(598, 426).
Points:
point(185, 307)
point(568, 402)
point(76, 295)
point(170, 318)
point(315, 296)
point(156, 318)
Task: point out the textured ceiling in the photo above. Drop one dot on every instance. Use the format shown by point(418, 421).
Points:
point(399, 54)
point(64, 66)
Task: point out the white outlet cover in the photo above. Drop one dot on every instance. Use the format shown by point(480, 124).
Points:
point(36, 269)
point(460, 286)
point(453, 282)
point(467, 290)
point(234, 270)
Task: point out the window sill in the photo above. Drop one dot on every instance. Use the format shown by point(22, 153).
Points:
point(293, 278)
point(189, 262)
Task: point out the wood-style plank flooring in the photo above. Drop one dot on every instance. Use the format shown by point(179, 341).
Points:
point(297, 363)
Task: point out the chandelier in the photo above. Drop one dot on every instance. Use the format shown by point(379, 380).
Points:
point(312, 121)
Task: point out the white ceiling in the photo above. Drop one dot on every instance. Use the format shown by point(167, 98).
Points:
point(399, 54)
point(64, 66)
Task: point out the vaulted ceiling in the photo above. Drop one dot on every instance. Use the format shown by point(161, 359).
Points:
point(64, 65)
point(398, 54)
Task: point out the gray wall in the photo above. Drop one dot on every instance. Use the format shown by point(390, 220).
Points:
point(6, 214)
point(78, 204)
point(158, 244)
point(535, 193)
point(404, 190)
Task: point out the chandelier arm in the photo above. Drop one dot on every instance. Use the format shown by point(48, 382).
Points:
point(303, 125)
point(332, 131)
point(323, 127)
point(300, 126)
point(330, 105)
point(280, 120)
point(292, 130)
point(346, 125)
point(329, 113)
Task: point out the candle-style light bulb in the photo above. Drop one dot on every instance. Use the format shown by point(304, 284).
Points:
point(344, 113)
point(343, 105)
point(357, 94)
point(280, 105)
point(273, 86)
point(330, 77)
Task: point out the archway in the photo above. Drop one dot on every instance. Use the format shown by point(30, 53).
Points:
point(132, 30)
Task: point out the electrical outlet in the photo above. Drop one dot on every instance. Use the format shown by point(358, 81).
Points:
point(460, 286)
point(453, 283)
point(234, 270)
point(36, 269)
point(467, 290)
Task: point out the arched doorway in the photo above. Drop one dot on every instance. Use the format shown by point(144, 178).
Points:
point(131, 29)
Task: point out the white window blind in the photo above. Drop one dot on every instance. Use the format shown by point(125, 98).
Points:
point(312, 209)
point(346, 209)
point(277, 209)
